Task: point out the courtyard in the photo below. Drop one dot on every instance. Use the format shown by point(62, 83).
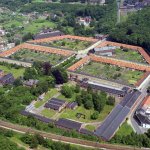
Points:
point(31, 56)
point(111, 72)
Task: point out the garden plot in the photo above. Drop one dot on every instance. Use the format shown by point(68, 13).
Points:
point(111, 72)
point(31, 56)
point(130, 55)
point(69, 44)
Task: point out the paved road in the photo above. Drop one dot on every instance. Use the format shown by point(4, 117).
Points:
point(85, 143)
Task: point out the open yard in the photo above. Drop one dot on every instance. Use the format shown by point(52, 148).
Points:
point(70, 44)
point(30, 56)
point(16, 72)
point(48, 113)
point(130, 55)
point(71, 114)
point(110, 72)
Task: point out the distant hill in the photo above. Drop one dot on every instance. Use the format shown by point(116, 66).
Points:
point(136, 30)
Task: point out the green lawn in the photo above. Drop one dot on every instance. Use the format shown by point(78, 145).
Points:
point(125, 129)
point(110, 72)
point(90, 127)
point(36, 25)
point(30, 56)
point(16, 72)
point(48, 113)
point(71, 114)
point(70, 44)
point(48, 95)
point(130, 55)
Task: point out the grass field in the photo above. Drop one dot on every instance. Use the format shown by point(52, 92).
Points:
point(70, 44)
point(36, 25)
point(30, 56)
point(110, 72)
point(16, 72)
point(71, 114)
point(90, 127)
point(130, 55)
point(48, 95)
point(48, 113)
point(124, 130)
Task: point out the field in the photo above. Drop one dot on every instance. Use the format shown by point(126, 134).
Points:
point(16, 72)
point(30, 56)
point(70, 44)
point(130, 55)
point(48, 113)
point(110, 72)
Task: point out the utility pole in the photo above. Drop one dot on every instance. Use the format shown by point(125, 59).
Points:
point(118, 11)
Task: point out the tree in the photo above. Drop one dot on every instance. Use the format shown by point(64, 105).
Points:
point(111, 100)
point(79, 100)
point(67, 91)
point(95, 115)
point(88, 104)
point(60, 76)
point(47, 68)
point(30, 73)
point(77, 88)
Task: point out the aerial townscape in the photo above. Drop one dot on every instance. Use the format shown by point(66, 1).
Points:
point(74, 74)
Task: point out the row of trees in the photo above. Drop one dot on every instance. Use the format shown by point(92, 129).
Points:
point(134, 139)
point(34, 140)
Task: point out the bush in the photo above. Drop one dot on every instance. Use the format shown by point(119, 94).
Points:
point(95, 115)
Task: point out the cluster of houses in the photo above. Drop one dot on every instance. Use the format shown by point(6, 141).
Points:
point(135, 4)
point(6, 79)
point(142, 115)
point(4, 45)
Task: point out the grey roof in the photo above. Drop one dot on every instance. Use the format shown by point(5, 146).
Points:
point(47, 35)
point(72, 105)
point(7, 79)
point(117, 116)
point(107, 89)
point(68, 124)
point(41, 118)
point(55, 103)
point(142, 118)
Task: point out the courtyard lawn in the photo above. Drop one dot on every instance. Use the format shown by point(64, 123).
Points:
point(30, 56)
point(124, 130)
point(70, 44)
point(71, 114)
point(16, 72)
point(48, 113)
point(48, 95)
point(130, 55)
point(110, 72)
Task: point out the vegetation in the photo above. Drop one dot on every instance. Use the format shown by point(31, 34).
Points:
point(70, 44)
point(127, 54)
point(31, 56)
point(135, 30)
point(110, 72)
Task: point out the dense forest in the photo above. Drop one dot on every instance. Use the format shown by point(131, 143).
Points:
point(136, 30)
